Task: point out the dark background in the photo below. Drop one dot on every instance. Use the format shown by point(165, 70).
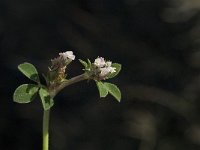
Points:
point(156, 41)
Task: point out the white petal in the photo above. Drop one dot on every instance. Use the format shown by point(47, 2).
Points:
point(104, 71)
point(112, 69)
point(67, 55)
point(108, 63)
point(69, 52)
point(100, 62)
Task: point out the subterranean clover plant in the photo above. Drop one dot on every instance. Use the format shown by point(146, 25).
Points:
point(56, 80)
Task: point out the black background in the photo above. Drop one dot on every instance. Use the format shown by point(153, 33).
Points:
point(157, 43)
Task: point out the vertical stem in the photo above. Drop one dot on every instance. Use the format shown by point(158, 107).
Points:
point(46, 114)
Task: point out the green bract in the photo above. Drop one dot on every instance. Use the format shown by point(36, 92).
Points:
point(87, 64)
point(25, 93)
point(83, 63)
point(30, 71)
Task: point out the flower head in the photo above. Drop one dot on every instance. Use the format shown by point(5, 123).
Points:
point(59, 65)
point(103, 68)
point(108, 63)
point(68, 55)
point(99, 62)
point(63, 60)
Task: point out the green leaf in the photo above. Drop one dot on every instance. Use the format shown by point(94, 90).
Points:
point(113, 90)
point(29, 71)
point(25, 93)
point(83, 63)
point(103, 92)
point(118, 69)
point(47, 101)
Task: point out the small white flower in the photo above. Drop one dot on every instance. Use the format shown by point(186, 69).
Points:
point(99, 62)
point(104, 71)
point(112, 69)
point(108, 63)
point(103, 67)
point(67, 55)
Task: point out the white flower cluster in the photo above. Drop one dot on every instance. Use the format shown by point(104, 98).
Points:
point(104, 66)
point(59, 65)
point(63, 60)
point(68, 55)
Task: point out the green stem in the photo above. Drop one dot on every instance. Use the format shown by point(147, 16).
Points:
point(55, 91)
point(46, 114)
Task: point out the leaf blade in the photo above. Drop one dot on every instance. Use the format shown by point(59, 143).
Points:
point(113, 90)
point(29, 71)
point(25, 93)
point(103, 92)
point(47, 101)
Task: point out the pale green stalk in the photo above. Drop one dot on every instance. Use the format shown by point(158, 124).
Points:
point(46, 113)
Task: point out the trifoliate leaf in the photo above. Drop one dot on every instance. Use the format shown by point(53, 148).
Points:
point(29, 71)
point(113, 90)
point(25, 93)
point(103, 92)
point(118, 69)
point(47, 101)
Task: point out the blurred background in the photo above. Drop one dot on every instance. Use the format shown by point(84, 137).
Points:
point(156, 41)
